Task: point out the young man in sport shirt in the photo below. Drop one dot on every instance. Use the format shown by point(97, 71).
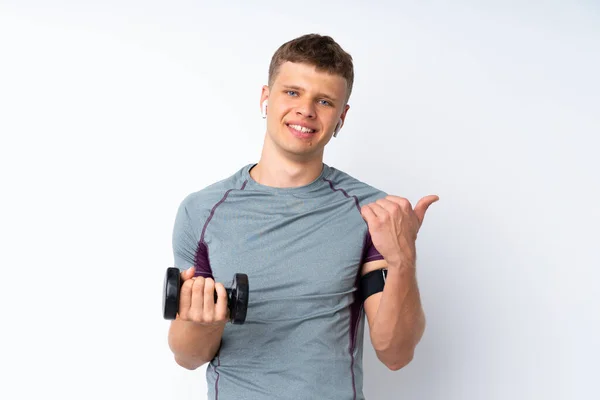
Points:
point(305, 233)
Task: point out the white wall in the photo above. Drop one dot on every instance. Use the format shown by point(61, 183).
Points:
point(111, 112)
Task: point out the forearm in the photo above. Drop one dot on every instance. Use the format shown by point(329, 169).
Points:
point(192, 344)
point(400, 321)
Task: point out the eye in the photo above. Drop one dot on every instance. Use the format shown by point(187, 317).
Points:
point(325, 102)
point(291, 92)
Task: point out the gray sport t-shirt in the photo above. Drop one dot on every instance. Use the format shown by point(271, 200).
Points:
point(302, 249)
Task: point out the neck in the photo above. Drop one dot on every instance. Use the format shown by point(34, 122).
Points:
point(277, 170)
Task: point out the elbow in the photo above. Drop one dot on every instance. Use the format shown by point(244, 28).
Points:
point(396, 359)
point(189, 364)
point(400, 363)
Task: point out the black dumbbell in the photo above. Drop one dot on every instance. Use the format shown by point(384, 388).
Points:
point(237, 296)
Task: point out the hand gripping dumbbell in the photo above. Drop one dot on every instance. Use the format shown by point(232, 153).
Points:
point(237, 296)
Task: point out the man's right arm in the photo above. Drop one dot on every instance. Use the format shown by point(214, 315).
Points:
point(195, 335)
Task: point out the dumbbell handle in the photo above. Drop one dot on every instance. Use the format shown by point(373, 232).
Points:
point(237, 295)
point(228, 294)
point(228, 290)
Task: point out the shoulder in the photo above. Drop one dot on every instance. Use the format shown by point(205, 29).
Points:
point(202, 201)
point(353, 187)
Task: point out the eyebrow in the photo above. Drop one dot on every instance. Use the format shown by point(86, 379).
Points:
point(293, 87)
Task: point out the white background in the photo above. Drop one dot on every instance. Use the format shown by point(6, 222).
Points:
point(112, 112)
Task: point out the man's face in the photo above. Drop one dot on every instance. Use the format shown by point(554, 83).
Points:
point(304, 106)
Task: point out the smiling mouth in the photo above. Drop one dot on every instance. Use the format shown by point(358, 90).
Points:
point(301, 129)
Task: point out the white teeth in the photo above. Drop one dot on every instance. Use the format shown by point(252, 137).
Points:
point(301, 129)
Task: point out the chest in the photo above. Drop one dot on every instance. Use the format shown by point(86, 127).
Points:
point(288, 248)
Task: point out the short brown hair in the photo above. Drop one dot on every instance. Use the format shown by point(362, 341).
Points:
point(317, 50)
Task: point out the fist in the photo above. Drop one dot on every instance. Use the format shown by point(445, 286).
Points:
point(197, 300)
point(394, 224)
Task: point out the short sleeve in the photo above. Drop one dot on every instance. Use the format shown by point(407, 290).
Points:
point(188, 246)
point(370, 253)
point(184, 239)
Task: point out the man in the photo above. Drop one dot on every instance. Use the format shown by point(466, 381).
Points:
point(304, 233)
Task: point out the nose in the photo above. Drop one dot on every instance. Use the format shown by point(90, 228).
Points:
point(306, 109)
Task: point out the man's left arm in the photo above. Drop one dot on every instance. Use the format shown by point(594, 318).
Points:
point(396, 317)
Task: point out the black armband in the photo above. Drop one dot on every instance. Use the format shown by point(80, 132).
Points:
point(372, 282)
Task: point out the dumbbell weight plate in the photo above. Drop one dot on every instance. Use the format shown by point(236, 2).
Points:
point(239, 299)
point(171, 290)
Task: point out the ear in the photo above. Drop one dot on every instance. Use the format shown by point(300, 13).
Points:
point(343, 116)
point(341, 121)
point(337, 128)
point(264, 109)
point(264, 96)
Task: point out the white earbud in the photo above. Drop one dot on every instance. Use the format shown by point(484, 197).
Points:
point(264, 109)
point(337, 127)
